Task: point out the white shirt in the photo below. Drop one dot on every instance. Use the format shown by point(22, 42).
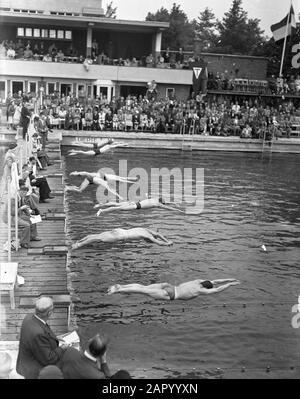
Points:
point(89, 356)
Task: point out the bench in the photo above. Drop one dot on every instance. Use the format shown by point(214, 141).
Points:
point(59, 301)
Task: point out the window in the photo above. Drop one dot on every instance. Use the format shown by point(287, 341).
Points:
point(103, 91)
point(44, 33)
point(60, 34)
point(170, 92)
point(52, 34)
point(20, 32)
point(2, 90)
point(32, 87)
point(68, 34)
point(36, 32)
point(51, 88)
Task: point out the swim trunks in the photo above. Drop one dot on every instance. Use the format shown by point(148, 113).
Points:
point(138, 205)
point(171, 290)
point(96, 149)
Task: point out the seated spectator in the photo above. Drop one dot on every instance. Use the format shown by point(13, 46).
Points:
point(19, 44)
point(36, 49)
point(160, 60)
point(36, 181)
point(246, 132)
point(127, 62)
point(167, 56)
point(43, 50)
point(71, 51)
point(149, 61)
point(179, 58)
point(134, 62)
point(10, 53)
point(60, 56)
point(38, 346)
point(50, 373)
point(28, 54)
point(85, 365)
point(47, 58)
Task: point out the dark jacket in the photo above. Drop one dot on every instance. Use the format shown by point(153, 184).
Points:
point(24, 120)
point(75, 365)
point(38, 347)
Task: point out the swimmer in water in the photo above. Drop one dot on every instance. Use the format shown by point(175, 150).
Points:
point(99, 179)
point(115, 235)
point(130, 205)
point(166, 291)
point(97, 148)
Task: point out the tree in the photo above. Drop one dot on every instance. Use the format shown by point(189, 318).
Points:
point(180, 33)
point(205, 29)
point(111, 11)
point(237, 33)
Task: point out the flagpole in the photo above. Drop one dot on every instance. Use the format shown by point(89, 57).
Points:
point(284, 44)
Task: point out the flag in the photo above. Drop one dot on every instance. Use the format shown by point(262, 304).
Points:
point(280, 29)
point(199, 76)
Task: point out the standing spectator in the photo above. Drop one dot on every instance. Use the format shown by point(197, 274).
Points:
point(179, 58)
point(38, 344)
point(95, 46)
point(25, 118)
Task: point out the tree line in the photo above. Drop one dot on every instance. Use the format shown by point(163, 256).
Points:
point(235, 33)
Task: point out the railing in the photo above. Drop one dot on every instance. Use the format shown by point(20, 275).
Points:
point(13, 171)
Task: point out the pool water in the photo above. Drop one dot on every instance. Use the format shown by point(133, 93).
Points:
point(250, 201)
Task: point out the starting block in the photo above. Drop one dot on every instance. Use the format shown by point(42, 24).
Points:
point(8, 277)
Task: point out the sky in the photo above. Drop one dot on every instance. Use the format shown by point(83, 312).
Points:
point(268, 11)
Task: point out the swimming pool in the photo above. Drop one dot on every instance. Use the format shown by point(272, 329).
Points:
point(250, 200)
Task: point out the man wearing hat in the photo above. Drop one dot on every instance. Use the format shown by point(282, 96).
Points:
point(39, 346)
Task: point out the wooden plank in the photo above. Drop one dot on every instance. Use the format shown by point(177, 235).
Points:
point(44, 268)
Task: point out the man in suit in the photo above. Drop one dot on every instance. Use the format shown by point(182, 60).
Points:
point(25, 119)
point(39, 347)
point(90, 364)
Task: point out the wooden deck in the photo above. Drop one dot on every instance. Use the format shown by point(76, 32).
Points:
point(44, 273)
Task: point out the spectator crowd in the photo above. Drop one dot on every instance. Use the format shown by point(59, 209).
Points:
point(251, 118)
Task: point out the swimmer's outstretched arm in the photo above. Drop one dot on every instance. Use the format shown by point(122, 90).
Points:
point(226, 280)
point(161, 241)
point(79, 189)
point(75, 152)
point(87, 240)
point(104, 184)
point(218, 289)
point(120, 179)
point(111, 204)
point(83, 174)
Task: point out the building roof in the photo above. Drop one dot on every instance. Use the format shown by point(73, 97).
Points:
point(35, 17)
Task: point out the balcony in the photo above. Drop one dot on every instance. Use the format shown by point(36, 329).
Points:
point(62, 70)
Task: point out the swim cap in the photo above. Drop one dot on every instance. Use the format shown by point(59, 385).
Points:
point(207, 284)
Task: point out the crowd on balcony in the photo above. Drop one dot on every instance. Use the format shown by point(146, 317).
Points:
point(248, 119)
point(53, 52)
point(282, 86)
